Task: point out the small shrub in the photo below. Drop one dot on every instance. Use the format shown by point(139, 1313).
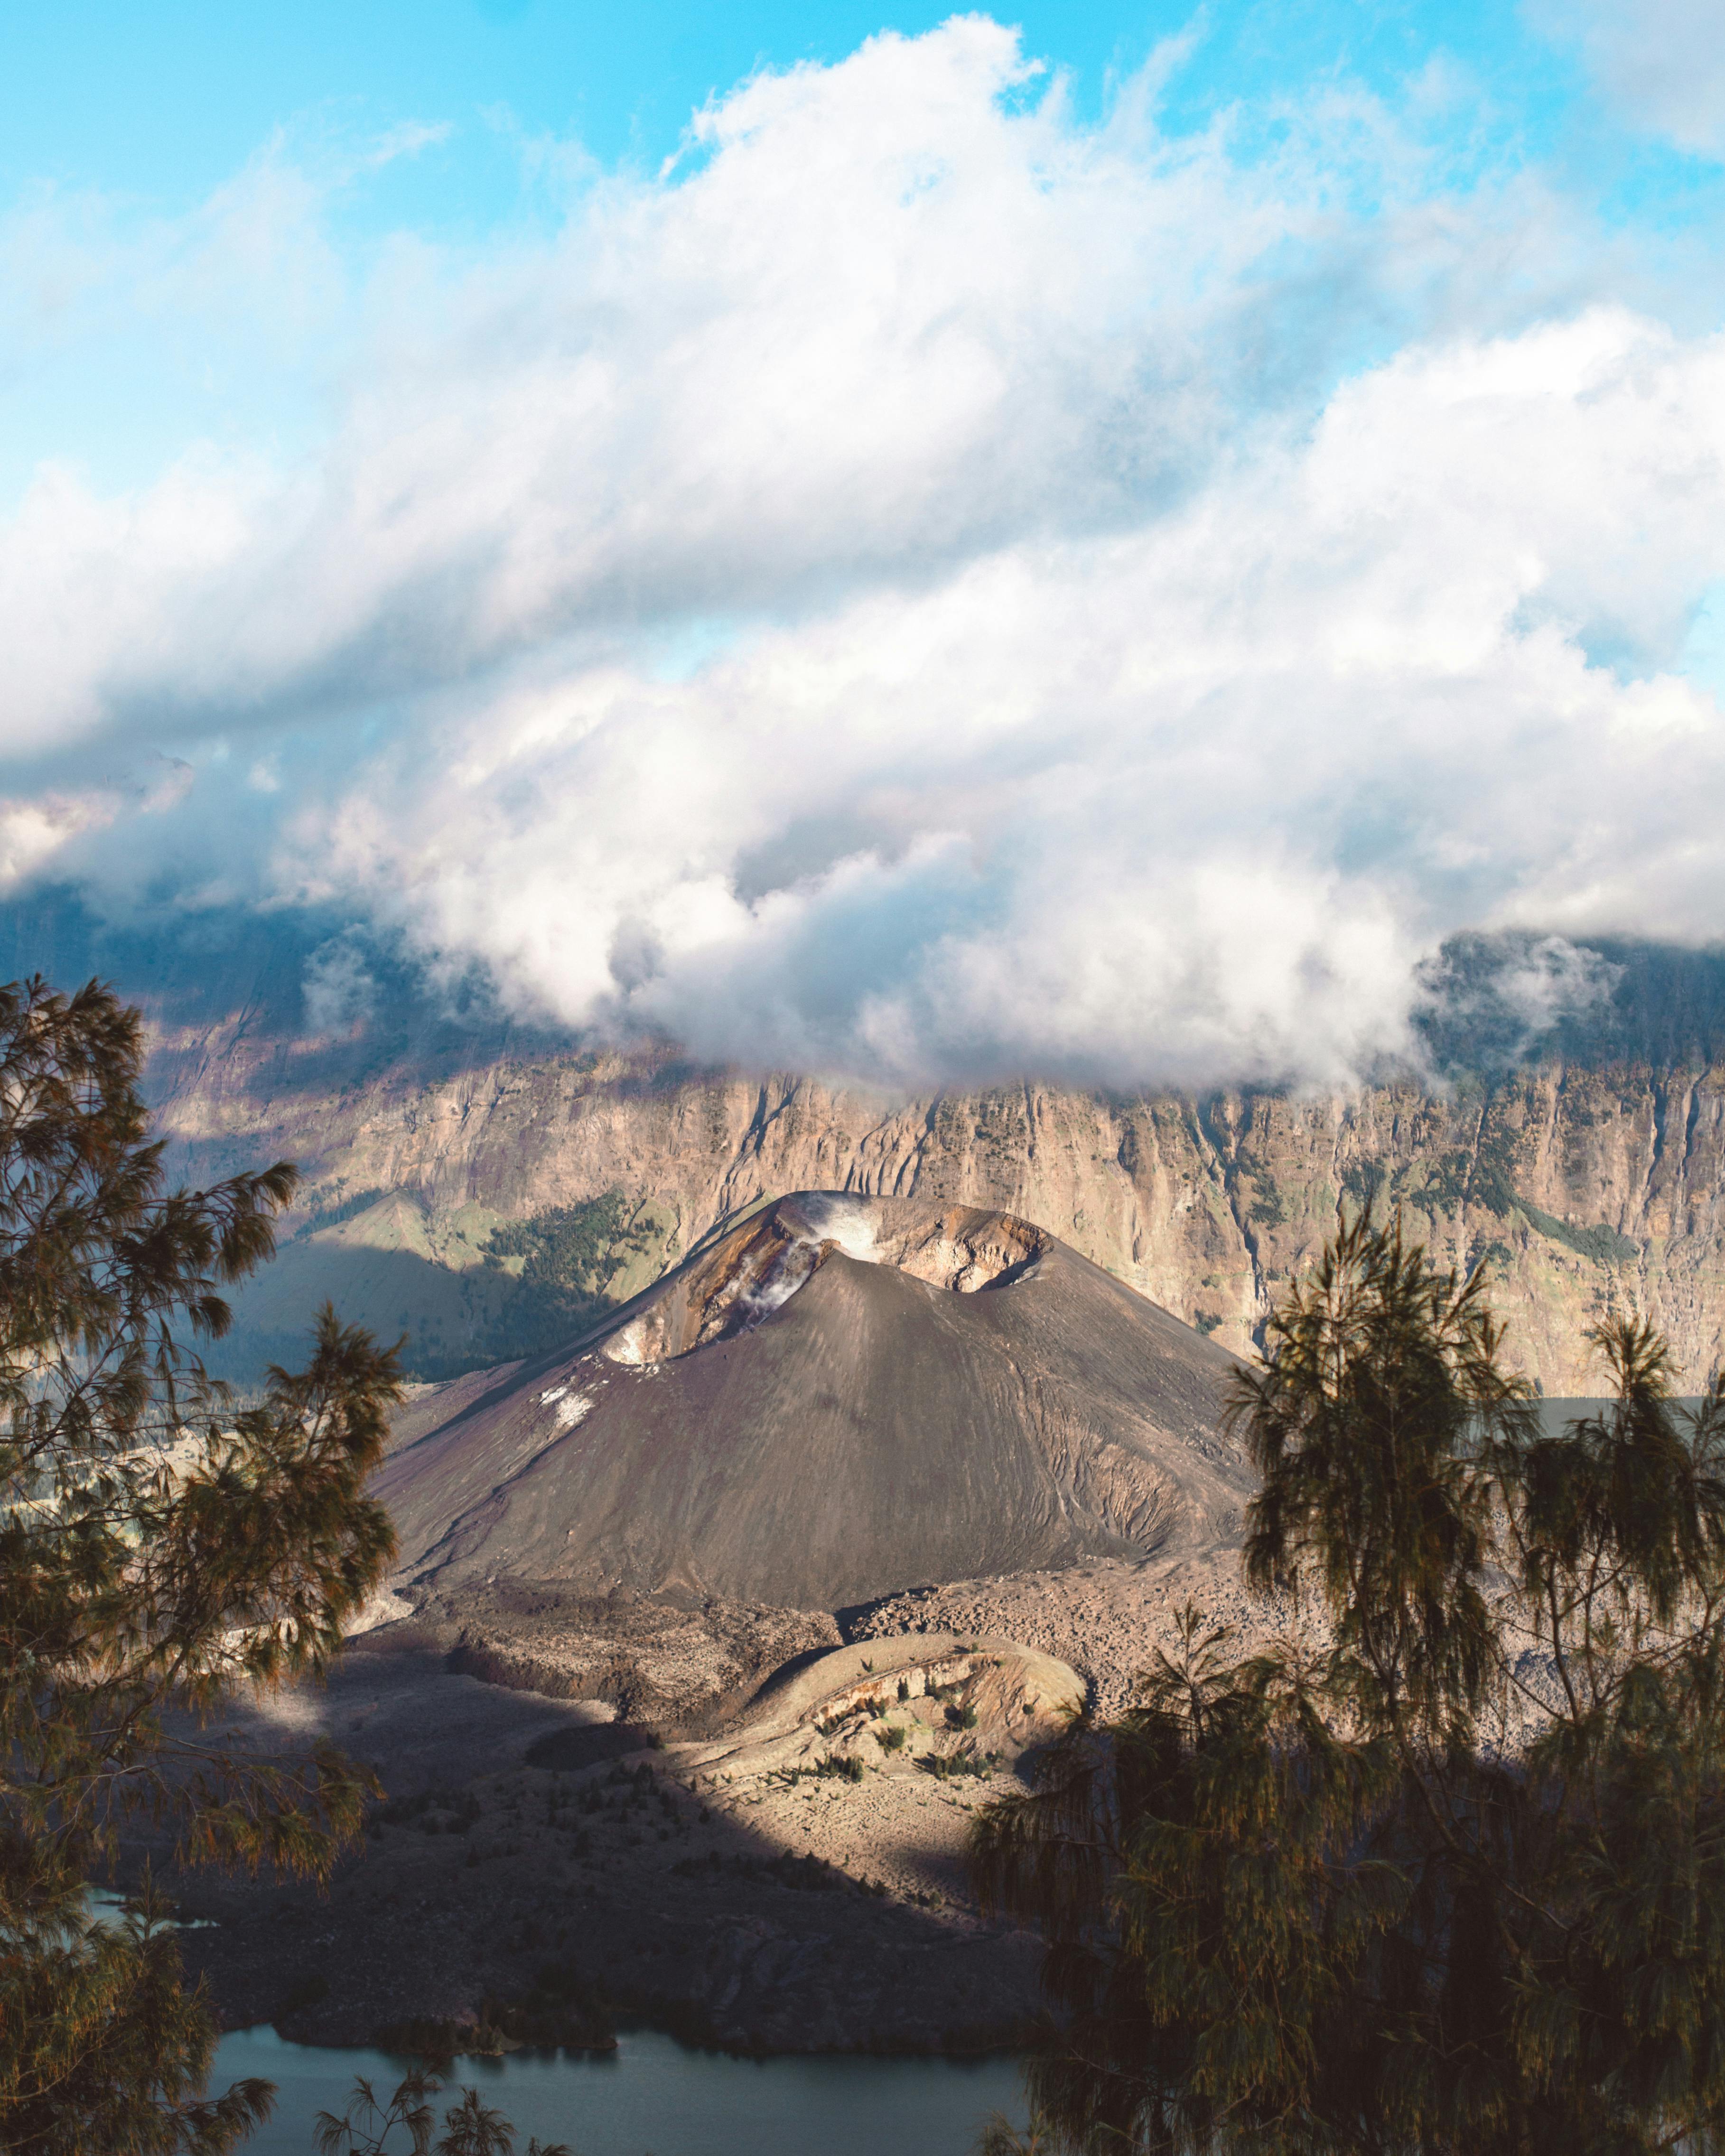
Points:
point(965, 1763)
point(829, 1769)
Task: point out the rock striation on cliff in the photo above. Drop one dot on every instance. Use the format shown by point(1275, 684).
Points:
point(1585, 1188)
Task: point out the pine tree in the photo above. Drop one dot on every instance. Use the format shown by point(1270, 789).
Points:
point(1447, 1873)
point(403, 2126)
point(158, 1551)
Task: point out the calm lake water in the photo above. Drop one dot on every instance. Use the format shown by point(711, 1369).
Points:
point(654, 2096)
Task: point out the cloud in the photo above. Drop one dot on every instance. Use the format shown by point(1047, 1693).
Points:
point(1194, 798)
point(884, 316)
point(33, 832)
point(927, 589)
point(1488, 1001)
point(1660, 62)
point(339, 989)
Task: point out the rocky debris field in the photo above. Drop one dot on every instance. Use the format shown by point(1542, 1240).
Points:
point(793, 1881)
point(797, 1885)
point(1106, 1619)
point(666, 1661)
point(533, 1905)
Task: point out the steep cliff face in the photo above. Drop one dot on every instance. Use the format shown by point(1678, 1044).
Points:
point(1587, 1190)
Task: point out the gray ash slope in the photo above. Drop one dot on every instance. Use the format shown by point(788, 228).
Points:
point(840, 1397)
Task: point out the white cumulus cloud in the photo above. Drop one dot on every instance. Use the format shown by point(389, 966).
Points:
point(928, 588)
point(885, 315)
point(1189, 799)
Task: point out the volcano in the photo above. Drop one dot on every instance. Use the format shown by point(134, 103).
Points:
point(836, 1399)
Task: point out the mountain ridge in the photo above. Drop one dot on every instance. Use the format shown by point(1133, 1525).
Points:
point(490, 1187)
point(1585, 1190)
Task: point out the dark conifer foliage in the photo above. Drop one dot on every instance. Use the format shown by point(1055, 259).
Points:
point(370, 2127)
point(1444, 1870)
point(156, 1550)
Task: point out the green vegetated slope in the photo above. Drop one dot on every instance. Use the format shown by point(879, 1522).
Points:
point(491, 1207)
point(469, 1286)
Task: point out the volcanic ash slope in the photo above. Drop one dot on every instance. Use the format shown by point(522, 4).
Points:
point(839, 1399)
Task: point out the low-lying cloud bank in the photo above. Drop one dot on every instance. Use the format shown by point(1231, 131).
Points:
point(926, 589)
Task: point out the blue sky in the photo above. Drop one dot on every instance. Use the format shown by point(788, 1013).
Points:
point(913, 545)
point(160, 104)
point(156, 107)
point(126, 117)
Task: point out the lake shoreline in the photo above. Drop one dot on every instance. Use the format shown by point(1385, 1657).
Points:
point(654, 2093)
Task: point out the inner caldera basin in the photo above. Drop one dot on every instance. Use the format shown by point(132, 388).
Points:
point(838, 1399)
point(612, 1700)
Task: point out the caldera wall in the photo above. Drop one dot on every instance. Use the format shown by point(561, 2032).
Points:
point(1585, 1190)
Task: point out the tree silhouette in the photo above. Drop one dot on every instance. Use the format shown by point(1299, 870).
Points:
point(157, 1551)
point(368, 2127)
point(1445, 1871)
